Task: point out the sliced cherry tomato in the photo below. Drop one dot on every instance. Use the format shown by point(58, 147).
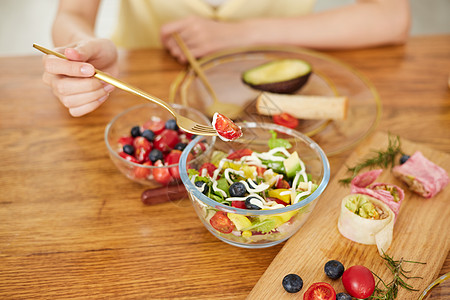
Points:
point(128, 157)
point(141, 172)
point(282, 184)
point(225, 128)
point(210, 168)
point(142, 148)
point(238, 204)
point(320, 291)
point(173, 158)
point(155, 124)
point(221, 222)
point(166, 140)
point(239, 153)
point(125, 140)
point(358, 281)
point(161, 175)
point(286, 120)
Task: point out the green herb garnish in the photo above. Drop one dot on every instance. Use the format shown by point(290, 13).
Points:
point(382, 158)
point(390, 290)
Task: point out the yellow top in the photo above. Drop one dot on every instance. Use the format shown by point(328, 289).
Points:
point(140, 20)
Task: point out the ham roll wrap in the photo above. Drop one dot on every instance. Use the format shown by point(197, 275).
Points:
point(421, 175)
point(366, 220)
point(390, 194)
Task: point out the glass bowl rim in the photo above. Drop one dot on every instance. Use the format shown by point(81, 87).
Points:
point(193, 190)
point(120, 158)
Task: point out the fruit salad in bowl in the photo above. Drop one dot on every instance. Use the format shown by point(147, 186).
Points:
point(258, 190)
point(145, 143)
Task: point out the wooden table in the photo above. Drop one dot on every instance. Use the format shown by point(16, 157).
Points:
point(72, 226)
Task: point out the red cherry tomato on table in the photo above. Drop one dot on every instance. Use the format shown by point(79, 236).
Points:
point(286, 120)
point(221, 222)
point(320, 291)
point(358, 281)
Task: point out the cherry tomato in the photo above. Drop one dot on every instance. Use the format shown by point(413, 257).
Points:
point(320, 291)
point(282, 184)
point(238, 204)
point(239, 153)
point(358, 281)
point(210, 168)
point(225, 128)
point(155, 124)
point(161, 175)
point(166, 140)
point(141, 172)
point(142, 148)
point(128, 157)
point(286, 120)
point(221, 222)
point(125, 140)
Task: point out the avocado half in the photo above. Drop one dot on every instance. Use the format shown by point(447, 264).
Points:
point(283, 76)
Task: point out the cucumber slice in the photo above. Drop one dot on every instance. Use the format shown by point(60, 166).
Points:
point(284, 76)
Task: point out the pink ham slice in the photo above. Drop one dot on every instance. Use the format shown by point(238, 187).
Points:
point(365, 184)
point(421, 175)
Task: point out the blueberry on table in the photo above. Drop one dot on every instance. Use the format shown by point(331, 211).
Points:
point(404, 158)
point(343, 296)
point(171, 124)
point(128, 149)
point(292, 283)
point(155, 155)
point(237, 189)
point(136, 131)
point(334, 269)
point(180, 146)
point(149, 135)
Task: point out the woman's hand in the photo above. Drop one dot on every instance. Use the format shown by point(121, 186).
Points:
point(203, 36)
point(72, 80)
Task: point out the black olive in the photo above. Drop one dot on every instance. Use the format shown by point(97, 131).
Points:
point(136, 131)
point(292, 283)
point(155, 155)
point(128, 149)
point(171, 124)
point(202, 184)
point(149, 135)
point(250, 205)
point(334, 269)
point(237, 189)
point(404, 158)
point(343, 296)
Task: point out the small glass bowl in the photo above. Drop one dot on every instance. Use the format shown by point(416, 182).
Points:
point(290, 218)
point(136, 116)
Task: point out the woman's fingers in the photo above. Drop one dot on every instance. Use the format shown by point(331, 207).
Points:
point(59, 66)
point(87, 108)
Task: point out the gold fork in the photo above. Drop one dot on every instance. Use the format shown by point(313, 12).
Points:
point(184, 123)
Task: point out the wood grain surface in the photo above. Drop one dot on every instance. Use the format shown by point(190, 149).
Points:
point(419, 234)
point(73, 227)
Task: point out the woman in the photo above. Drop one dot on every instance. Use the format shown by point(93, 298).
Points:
point(206, 26)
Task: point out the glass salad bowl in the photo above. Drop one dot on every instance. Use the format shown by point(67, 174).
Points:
point(142, 162)
point(258, 190)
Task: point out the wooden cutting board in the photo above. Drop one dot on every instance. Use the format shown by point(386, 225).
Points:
point(420, 234)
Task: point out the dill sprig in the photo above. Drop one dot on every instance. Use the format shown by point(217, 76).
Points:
point(382, 158)
point(390, 290)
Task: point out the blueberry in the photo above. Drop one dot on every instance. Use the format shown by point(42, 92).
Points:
point(292, 283)
point(128, 149)
point(171, 124)
point(343, 296)
point(250, 205)
point(155, 155)
point(180, 146)
point(404, 158)
point(200, 184)
point(136, 131)
point(334, 269)
point(237, 189)
point(149, 135)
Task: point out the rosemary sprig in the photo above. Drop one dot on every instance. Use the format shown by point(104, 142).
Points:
point(382, 158)
point(390, 291)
